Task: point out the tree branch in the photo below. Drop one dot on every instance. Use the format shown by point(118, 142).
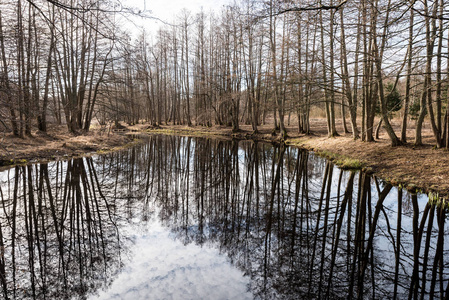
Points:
point(320, 7)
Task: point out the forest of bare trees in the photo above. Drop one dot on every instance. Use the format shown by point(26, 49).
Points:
point(255, 62)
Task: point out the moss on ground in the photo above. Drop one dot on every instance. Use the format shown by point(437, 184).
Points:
point(342, 161)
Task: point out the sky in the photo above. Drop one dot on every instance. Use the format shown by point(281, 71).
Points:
point(166, 10)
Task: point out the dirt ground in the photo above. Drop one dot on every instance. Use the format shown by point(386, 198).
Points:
point(57, 144)
point(423, 167)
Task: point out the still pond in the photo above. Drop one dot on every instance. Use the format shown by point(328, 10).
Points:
point(195, 218)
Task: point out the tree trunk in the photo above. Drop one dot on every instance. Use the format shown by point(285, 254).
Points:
point(332, 73)
point(329, 114)
point(5, 81)
point(378, 61)
point(408, 79)
point(352, 101)
point(42, 117)
point(430, 42)
point(277, 98)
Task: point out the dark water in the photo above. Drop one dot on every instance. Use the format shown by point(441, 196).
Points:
point(184, 218)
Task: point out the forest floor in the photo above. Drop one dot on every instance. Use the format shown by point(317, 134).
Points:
point(58, 143)
point(417, 168)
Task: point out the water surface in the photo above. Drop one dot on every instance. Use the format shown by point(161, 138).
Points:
point(191, 218)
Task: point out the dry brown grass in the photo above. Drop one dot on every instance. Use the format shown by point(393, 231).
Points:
point(58, 143)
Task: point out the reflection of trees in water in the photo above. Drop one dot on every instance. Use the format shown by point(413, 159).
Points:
point(295, 224)
point(56, 230)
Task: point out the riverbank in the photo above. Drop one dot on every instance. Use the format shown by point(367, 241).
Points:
point(417, 168)
point(59, 144)
point(422, 168)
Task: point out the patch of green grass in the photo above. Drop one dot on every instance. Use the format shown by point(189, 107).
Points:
point(434, 198)
point(161, 131)
point(6, 162)
point(297, 142)
point(130, 144)
point(102, 151)
point(20, 161)
point(342, 161)
point(185, 132)
point(12, 162)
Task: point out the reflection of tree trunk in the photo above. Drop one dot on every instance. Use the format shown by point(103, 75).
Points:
point(326, 219)
point(369, 245)
point(344, 203)
point(257, 184)
point(275, 183)
point(304, 198)
point(417, 237)
point(426, 251)
point(186, 205)
point(359, 235)
point(14, 228)
point(439, 252)
point(327, 174)
point(301, 162)
point(30, 224)
point(397, 250)
point(98, 188)
point(44, 170)
point(2, 261)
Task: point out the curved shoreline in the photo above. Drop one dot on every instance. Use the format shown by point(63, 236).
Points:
point(419, 169)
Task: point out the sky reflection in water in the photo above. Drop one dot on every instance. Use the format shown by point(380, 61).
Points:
point(162, 267)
